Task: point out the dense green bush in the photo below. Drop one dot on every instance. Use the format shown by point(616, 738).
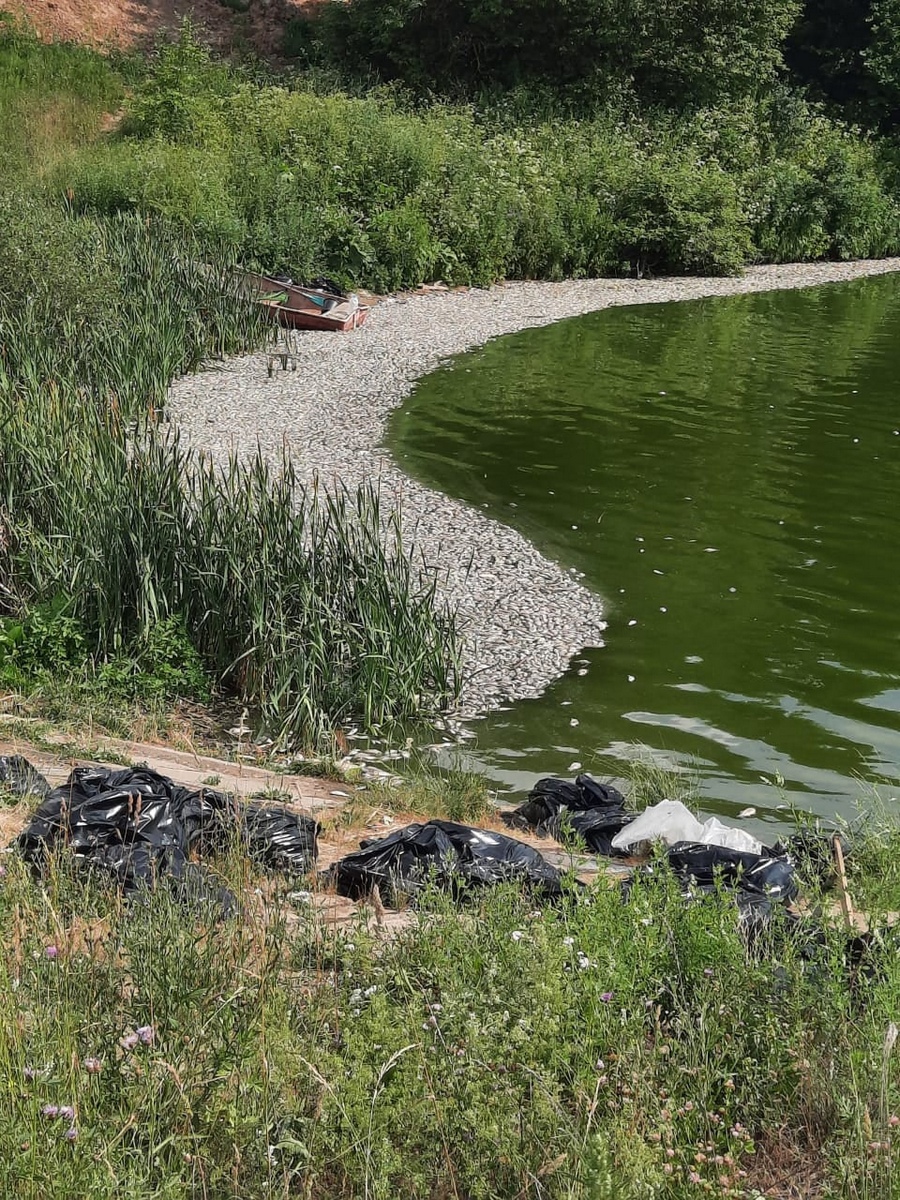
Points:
point(385, 193)
point(699, 52)
point(388, 197)
point(848, 53)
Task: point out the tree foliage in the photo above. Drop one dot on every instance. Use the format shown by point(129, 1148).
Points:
point(660, 52)
point(847, 52)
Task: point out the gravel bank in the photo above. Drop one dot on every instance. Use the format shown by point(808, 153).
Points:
point(523, 616)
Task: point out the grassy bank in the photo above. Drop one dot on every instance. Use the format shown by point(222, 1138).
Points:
point(590, 1049)
point(133, 563)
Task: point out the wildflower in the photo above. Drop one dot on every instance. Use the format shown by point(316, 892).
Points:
point(517, 935)
point(67, 1112)
point(603, 1081)
point(606, 997)
point(689, 1106)
point(584, 962)
point(568, 941)
point(50, 1111)
point(145, 1035)
point(893, 1121)
point(667, 1168)
point(694, 1177)
point(129, 1041)
point(51, 952)
point(93, 1066)
point(71, 1134)
point(708, 972)
point(600, 1065)
point(30, 1073)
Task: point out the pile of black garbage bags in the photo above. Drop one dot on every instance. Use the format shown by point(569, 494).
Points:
point(139, 828)
point(596, 814)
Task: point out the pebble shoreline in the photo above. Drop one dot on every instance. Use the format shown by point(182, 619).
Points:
point(523, 617)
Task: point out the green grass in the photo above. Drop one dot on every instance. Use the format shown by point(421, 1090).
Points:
point(592, 1049)
point(52, 98)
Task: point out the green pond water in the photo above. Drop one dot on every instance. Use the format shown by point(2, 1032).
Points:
point(726, 475)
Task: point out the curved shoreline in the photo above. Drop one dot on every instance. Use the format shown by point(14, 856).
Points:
point(523, 616)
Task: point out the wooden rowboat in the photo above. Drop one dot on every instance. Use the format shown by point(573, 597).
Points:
point(304, 308)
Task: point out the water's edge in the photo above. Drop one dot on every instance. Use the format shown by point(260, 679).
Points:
point(523, 615)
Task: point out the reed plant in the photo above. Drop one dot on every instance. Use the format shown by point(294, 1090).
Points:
point(301, 602)
point(110, 311)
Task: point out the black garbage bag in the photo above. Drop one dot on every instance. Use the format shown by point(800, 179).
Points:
point(140, 827)
point(595, 811)
point(17, 775)
point(812, 853)
point(322, 283)
point(705, 867)
point(279, 839)
point(595, 826)
point(454, 857)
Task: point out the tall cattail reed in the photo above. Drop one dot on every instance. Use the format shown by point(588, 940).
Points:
point(301, 601)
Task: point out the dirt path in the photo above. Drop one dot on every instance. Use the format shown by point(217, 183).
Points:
point(128, 23)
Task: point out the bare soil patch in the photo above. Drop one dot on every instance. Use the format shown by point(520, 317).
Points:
point(125, 24)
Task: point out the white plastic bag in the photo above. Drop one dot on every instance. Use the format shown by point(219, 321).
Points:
point(670, 822)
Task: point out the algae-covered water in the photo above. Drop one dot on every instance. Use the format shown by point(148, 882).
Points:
point(726, 474)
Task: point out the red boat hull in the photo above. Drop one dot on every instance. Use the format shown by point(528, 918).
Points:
point(296, 318)
point(303, 308)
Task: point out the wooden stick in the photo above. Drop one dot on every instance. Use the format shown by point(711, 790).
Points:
point(846, 902)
